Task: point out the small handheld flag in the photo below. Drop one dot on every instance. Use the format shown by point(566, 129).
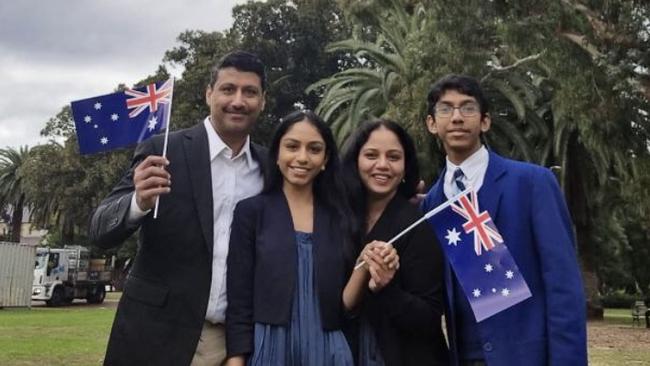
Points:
point(478, 254)
point(121, 119)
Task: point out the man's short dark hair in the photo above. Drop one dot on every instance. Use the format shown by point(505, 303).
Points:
point(461, 83)
point(242, 61)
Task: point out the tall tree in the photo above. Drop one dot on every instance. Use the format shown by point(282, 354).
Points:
point(12, 187)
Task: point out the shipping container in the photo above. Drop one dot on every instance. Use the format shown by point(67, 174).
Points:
point(16, 274)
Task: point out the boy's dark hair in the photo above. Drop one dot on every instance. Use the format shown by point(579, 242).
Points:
point(242, 61)
point(461, 83)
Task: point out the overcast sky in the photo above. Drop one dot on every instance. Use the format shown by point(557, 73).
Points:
point(53, 52)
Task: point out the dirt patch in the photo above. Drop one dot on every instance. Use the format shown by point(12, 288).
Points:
point(602, 335)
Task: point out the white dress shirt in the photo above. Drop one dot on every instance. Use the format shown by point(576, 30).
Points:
point(233, 179)
point(474, 168)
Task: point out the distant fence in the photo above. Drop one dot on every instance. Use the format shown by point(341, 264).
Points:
point(16, 274)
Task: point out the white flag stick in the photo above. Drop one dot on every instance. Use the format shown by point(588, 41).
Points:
point(164, 154)
point(426, 216)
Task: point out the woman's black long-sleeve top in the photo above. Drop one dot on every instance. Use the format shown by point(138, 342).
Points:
point(406, 314)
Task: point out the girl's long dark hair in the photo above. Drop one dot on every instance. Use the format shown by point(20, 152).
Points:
point(357, 194)
point(328, 184)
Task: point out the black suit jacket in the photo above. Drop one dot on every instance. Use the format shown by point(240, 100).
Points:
point(162, 310)
point(262, 268)
point(406, 314)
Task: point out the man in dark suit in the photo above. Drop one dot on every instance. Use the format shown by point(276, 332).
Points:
point(526, 204)
point(172, 310)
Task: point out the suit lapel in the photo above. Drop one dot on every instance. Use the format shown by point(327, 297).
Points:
point(489, 196)
point(260, 154)
point(438, 192)
point(197, 156)
point(277, 216)
point(320, 231)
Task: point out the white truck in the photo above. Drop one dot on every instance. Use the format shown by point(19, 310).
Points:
point(62, 275)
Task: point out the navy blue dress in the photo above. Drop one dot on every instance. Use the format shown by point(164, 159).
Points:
point(303, 341)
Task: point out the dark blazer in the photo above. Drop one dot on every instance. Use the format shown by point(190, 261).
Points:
point(262, 267)
point(549, 328)
point(406, 314)
point(162, 310)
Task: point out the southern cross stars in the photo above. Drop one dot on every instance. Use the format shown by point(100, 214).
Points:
point(114, 117)
point(152, 123)
point(509, 275)
point(488, 268)
point(103, 140)
point(98, 106)
point(453, 237)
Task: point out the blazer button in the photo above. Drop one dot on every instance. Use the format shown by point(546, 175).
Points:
point(487, 347)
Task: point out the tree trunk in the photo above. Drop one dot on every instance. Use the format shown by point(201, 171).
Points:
point(577, 172)
point(17, 221)
point(67, 232)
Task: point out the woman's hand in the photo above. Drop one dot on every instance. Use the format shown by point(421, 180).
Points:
point(382, 261)
point(380, 252)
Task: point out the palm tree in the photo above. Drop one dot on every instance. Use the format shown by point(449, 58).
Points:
point(12, 186)
point(358, 93)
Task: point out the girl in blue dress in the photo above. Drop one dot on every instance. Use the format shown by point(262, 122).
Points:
point(286, 268)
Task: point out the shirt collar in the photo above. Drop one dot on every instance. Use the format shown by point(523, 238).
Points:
point(217, 146)
point(470, 166)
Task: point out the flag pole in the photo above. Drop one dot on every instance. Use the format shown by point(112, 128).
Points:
point(426, 216)
point(164, 154)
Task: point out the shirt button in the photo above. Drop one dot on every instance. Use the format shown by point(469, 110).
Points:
point(487, 347)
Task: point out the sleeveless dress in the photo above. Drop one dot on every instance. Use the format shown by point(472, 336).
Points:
point(303, 341)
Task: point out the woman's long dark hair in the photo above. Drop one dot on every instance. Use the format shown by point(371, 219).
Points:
point(356, 192)
point(328, 185)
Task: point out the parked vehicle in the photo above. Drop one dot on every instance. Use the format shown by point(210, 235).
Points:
point(62, 275)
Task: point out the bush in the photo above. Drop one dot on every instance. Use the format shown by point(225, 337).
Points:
point(619, 300)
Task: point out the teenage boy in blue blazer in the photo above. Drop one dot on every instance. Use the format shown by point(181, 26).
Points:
point(525, 203)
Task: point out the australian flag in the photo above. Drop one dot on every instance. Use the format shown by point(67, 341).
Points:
point(122, 119)
point(479, 257)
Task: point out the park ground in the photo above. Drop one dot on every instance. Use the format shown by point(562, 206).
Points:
point(76, 335)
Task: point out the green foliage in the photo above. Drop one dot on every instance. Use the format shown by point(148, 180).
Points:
point(12, 187)
point(289, 37)
point(619, 300)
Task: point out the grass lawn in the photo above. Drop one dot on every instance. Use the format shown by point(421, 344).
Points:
point(77, 336)
point(74, 335)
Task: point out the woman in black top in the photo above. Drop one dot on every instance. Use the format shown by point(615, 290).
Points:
point(399, 322)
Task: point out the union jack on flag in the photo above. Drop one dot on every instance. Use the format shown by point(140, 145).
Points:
point(479, 256)
point(479, 223)
point(151, 98)
point(122, 119)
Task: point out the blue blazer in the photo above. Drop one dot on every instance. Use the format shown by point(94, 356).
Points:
point(549, 328)
point(262, 268)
